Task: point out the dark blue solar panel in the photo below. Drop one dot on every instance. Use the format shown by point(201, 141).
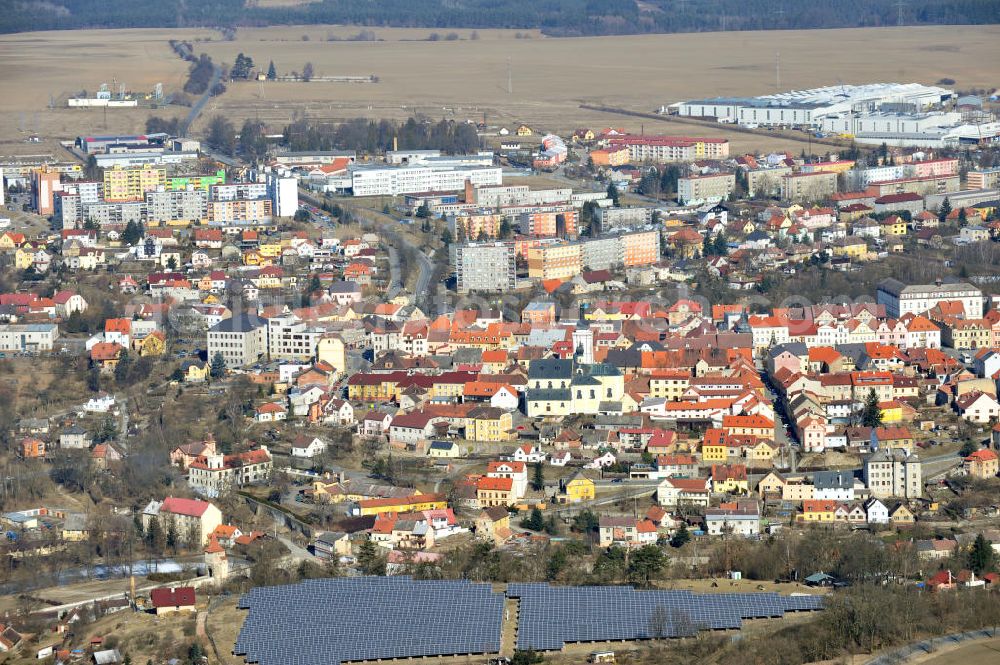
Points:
point(329, 621)
point(549, 617)
point(368, 618)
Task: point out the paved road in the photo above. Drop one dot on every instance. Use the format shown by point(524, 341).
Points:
point(423, 294)
point(200, 104)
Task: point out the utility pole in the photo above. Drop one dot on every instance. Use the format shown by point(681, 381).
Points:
point(899, 12)
point(777, 71)
point(510, 79)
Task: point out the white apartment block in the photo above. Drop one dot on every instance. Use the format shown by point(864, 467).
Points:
point(891, 473)
point(395, 180)
point(484, 266)
point(711, 187)
point(290, 338)
point(900, 299)
point(164, 206)
point(808, 187)
point(241, 340)
point(284, 193)
point(28, 337)
point(238, 190)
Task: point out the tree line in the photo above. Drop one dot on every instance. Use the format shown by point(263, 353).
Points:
point(555, 18)
point(365, 135)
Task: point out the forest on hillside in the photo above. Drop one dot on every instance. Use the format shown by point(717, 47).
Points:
point(554, 17)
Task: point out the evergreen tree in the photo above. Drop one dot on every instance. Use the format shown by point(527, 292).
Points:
point(272, 73)
point(446, 237)
point(218, 368)
point(681, 537)
point(123, 368)
point(424, 211)
point(646, 563)
point(155, 538)
point(307, 72)
point(505, 229)
point(585, 522)
point(720, 246)
point(370, 562)
point(871, 415)
point(613, 194)
point(982, 558)
point(944, 210)
point(171, 263)
point(534, 521)
point(132, 233)
point(962, 217)
point(538, 479)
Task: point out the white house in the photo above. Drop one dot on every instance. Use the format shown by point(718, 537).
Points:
point(505, 398)
point(605, 460)
point(742, 520)
point(681, 491)
point(876, 512)
point(338, 412)
point(528, 453)
point(987, 363)
point(102, 403)
point(304, 446)
point(516, 471)
point(271, 412)
point(977, 407)
point(560, 458)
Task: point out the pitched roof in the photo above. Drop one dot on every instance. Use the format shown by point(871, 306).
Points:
point(189, 507)
point(178, 597)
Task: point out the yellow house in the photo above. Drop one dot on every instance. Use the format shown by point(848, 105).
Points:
point(772, 483)
point(901, 515)
point(670, 384)
point(729, 479)
point(853, 248)
point(413, 503)
point(490, 424)
point(763, 452)
point(24, 257)
point(578, 488)
point(153, 344)
point(892, 412)
point(270, 249)
point(252, 257)
point(195, 371)
point(818, 510)
point(75, 528)
point(368, 388)
point(894, 225)
point(524, 130)
point(714, 447)
point(9, 241)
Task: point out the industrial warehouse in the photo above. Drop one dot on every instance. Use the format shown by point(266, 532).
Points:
point(893, 113)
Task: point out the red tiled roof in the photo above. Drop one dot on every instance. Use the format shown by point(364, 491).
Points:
point(180, 597)
point(189, 507)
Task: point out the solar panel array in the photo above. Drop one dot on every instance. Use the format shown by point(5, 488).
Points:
point(549, 617)
point(329, 621)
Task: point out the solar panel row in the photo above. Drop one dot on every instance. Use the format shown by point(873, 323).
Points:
point(350, 619)
point(549, 617)
point(330, 621)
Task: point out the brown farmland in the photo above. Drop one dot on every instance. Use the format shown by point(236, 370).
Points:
point(467, 78)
